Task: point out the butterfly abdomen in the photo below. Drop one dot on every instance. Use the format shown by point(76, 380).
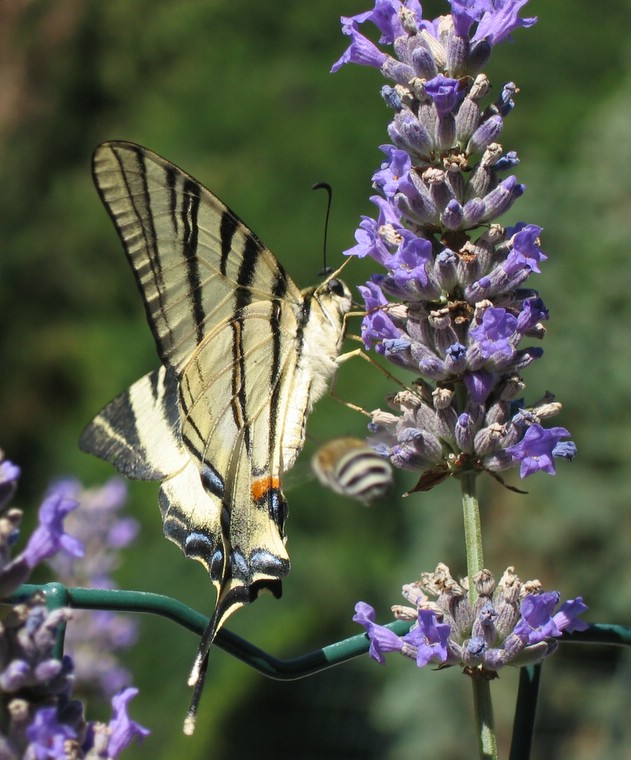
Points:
point(319, 335)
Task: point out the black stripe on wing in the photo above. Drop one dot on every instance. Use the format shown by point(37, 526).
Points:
point(190, 213)
point(139, 199)
point(127, 431)
point(243, 297)
point(227, 229)
point(171, 184)
point(178, 235)
point(275, 380)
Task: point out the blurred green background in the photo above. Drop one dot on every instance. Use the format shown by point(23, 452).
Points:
point(238, 93)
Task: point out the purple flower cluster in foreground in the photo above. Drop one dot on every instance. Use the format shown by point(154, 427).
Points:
point(95, 635)
point(510, 623)
point(453, 304)
point(40, 718)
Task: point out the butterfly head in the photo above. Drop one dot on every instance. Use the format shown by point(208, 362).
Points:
point(333, 292)
point(334, 296)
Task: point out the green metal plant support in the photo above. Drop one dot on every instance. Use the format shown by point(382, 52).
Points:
point(57, 595)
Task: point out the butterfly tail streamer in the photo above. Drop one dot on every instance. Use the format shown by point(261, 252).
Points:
point(233, 596)
point(191, 716)
point(197, 677)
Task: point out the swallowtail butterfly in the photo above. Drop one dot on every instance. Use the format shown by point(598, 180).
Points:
point(245, 354)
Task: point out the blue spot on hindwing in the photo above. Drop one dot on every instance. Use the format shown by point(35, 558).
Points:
point(265, 562)
point(198, 544)
point(212, 480)
point(215, 566)
point(239, 566)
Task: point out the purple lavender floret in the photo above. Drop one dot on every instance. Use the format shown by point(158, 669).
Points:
point(510, 623)
point(47, 737)
point(453, 303)
point(539, 447)
point(9, 475)
point(122, 729)
point(99, 525)
point(49, 537)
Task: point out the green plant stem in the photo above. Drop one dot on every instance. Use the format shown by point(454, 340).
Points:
point(483, 707)
point(482, 704)
point(472, 530)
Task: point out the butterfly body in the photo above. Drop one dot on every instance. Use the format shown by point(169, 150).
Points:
point(245, 355)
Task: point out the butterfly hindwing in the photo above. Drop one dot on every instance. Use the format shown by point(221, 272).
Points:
point(231, 423)
point(139, 432)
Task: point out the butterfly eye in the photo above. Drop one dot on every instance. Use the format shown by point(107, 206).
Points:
point(337, 287)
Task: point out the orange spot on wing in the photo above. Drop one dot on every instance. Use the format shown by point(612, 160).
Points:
point(261, 487)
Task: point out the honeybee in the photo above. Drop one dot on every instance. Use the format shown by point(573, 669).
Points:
point(349, 466)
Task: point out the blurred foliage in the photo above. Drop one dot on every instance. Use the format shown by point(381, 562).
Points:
point(239, 94)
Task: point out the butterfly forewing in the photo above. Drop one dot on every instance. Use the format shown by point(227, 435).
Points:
point(195, 262)
point(245, 355)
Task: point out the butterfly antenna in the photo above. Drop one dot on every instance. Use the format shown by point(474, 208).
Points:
point(325, 271)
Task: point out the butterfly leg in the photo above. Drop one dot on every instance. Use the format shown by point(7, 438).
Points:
point(348, 405)
point(363, 355)
point(359, 352)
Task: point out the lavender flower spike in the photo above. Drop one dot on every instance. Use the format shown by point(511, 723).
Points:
point(510, 623)
point(453, 302)
point(40, 717)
